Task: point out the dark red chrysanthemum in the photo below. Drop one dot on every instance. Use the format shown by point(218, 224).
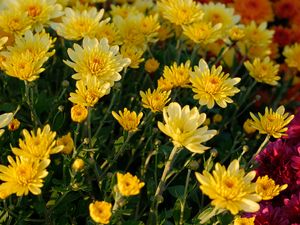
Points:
point(292, 208)
point(293, 132)
point(283, 36)
point(296, 164)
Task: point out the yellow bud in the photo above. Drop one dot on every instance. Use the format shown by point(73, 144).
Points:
point(78, 113)
point(14, 125)
point(217, 118)
point(247, 127)
point(151, 65)
point(78, 165)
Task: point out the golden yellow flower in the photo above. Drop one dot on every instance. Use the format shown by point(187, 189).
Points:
point(97, 58)
point(38, 145)
point(151, 65)
point(134, 54)
point(128, 120)
point(5, 119)
point(267, 188)
point(78, 164)
point(217, 118)
point(67, 142)
point(292, 54)
point(230, 188)
point(128, 184)
point(76, 25)
point(213, 86)
point(23, 175)
point(79, 113)
point(236, 33)
point(40, 12)
point(14, 125)
point(178, 75)
point(203, 32)
point(180, 12)
point(164, 84)
point(272, 123)
point(123, 10)
point(100, 211)
point(109, 31)
point(263, 71)
point(243, 221)
point(165, 32)
point(247, 127)
point(89, 91)
point(155, 100)
point(183, 126)
point(3, 40)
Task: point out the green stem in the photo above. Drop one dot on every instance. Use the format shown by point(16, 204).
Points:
point(181, 222)
point(29, 100)
point(265, 142)
point(89, 127)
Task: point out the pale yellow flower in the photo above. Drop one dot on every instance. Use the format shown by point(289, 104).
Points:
point(230, 188)
point(100, 211)
point(292, 54)
point(128, 120)
point(155, 100)
point(134, 54)
point(267, 188)
point(109, 31)
point(183, 126)
point(128, 184)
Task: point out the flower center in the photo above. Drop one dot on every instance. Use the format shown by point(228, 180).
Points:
point(34, 11)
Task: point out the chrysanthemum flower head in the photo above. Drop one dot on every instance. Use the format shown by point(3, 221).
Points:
point(292, 208)
point(155, 100)
point(273, 123)
point(183, 126)
point(23, 175)
point(123, 10)
point(109, 31)
point(128, 184)
point(98, 59)
point(79, 113)
point(243, 221)
point(292, 54)
point(286, 9)
point(230, 188)
point(180, 12)
point(14, 125)
point(38, 145)
point(100, 211)
point(67, 142)
point(151, 65)
point(128, 120)
point(178, 75)
point(267, 188)
point(212, 85)
point(134, 54)
point(164, 84)
point(89, 91)
point(264, 71)
point(247, 127)
point(76, 25)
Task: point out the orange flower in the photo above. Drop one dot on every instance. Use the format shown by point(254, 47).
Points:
point(287, 9)
point(259, 11)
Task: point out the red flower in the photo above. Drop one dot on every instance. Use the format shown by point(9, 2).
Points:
point(282, 36)
point(292, 208)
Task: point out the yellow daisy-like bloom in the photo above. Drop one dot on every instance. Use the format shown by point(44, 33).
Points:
point(134, 54)
point(151, 65)
point(244, 221)
point(128, 120)
point(264, 71)
point(155, 100)
point(128, 184)
point(216, 13)
point(267, 188)
point(164, 84)
point(212, 86)
point(98, 59)
point(89, 91)
point(183, 126)
point(178, 75)
point(272, 123)
point(109, 31)
point(38, 145)
point(100, 211)
point(202, 32)
point(292, 54)
point(247, 127)
point(40, 12)
point(123, 10)
point(67, 142)
point(76, 25)
point(230, 188)
point(236, 33)
point(79, 113)
point(180, 12)
point(14, 22)
point(23, 175)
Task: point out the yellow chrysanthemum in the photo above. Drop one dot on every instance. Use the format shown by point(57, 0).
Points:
point(272, 123)
point(164, 84)
point(14, 125)
point(165, 32)
point(178, 75)
point(14, 22)
point(128, 184)
point(143, 5)
point(213, 86)
point(155, 100)
point(40, 12)
point(151, 65)
point(23, 175)
point(236, 33)
point(89, 91)
point(128, 120)
point(247, 127)
point(292, 54)
point(3, 40)
point(100, 211)
point(264, 71)
point(244, 221)
point(230, 188)
point(203, 32)
point(37, 145)
point(183, 126)
point(180, 12)
point(67, 142)
point(123, 10)
point(267, 188)
point(109, 31)
point(76, 25)
point(98, 59)
point(79, 113)
point(134, 54)
point(78, 165)
point(216, 13)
